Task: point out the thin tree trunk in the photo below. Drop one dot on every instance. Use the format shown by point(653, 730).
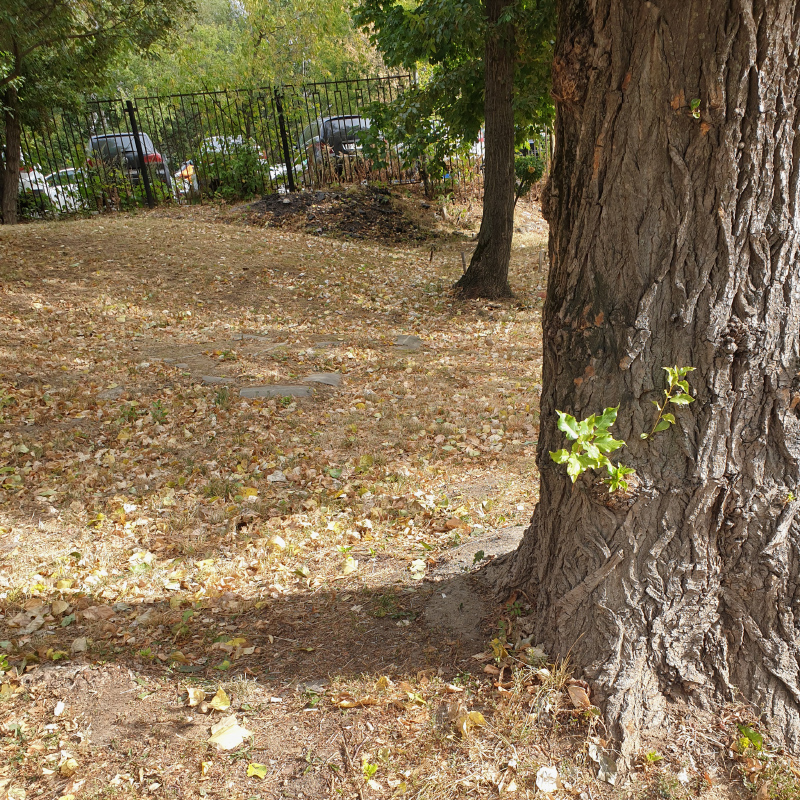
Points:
point(674, 240)
point(487, 275)
point(13, 137)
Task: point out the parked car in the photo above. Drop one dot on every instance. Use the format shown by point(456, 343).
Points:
point(337, 135)
point(119, 149)
point(65, 189)
point(35, 196)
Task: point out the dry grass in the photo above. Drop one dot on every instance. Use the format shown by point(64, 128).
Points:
point(144, 548)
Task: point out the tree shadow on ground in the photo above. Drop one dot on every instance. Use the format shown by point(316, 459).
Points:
point(291, 666)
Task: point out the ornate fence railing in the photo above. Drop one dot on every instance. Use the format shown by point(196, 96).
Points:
point(234, 144)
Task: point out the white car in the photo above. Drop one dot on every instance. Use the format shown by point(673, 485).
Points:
point(64, 189)
point(32, 183)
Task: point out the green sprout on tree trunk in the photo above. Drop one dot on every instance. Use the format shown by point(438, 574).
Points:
point(591, 445)
point(677, 393)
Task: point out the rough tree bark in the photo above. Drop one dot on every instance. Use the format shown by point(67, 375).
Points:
point(674, 240)
point(13, 135)
point(487, 274)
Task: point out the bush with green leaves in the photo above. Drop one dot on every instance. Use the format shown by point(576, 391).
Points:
point(33, 205)
point(109, 187)
point(234, 173)
point(528, 170)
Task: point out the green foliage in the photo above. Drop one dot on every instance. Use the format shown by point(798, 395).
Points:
point(234, 173)
point(252, 43)
point(110, 187)
point(750, 737)
point(158, 413)
point(33, 205)
point(528, 170)
point(592, 444)
point(53, 50)
point(677, 393)
point(444, 41)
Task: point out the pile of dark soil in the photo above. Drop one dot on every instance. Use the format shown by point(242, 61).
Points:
point(363, 212)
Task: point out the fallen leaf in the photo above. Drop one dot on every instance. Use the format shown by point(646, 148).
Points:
point(220, 701)
point(227, 734)
point(579, 697)
point(59, 607)
point(195, 696)
point(350, 565)
point(547, 779)
point(68, 767)
point(607, 766)
point(348, 701)
point(257, 770)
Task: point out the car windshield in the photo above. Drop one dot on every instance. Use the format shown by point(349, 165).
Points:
point(120, 143)
point(309, 132)
point(344, 128)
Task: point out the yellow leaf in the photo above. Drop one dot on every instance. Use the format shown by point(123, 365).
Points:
point(220, 701)
point(205, 766)
point(65, 584)
point(476, 718)
point(383, 682)
point(257, 770)
point(249, 491)
point(195, 696)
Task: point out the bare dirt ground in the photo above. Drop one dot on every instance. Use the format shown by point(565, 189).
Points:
point(263, 451)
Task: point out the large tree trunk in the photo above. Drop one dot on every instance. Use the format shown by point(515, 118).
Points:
point(674, 239)
point(13, 136)
point(487, 275)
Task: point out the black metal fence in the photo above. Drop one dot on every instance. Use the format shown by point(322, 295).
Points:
point(234, 144)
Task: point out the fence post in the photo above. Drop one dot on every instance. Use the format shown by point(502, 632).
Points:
point(284, 141)
point(142, 166)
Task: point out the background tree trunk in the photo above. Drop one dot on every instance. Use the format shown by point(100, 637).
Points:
point(487, 275)
point(13, 136)
point(674, 241)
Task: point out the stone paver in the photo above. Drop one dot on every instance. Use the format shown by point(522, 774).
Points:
point(326, 378)
point(409, 342)
point(253, 392)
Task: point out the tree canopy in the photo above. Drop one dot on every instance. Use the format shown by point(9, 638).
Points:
point(444, 40)
point(54, 50)
point(252, 43)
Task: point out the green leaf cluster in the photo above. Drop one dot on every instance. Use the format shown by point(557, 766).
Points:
point(52, 51)
point(444, 42)
point(591, 445)
point(677, 393)
point(528, 171)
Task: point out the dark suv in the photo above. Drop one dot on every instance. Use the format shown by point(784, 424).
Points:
point(119, 149)
point(339, 135)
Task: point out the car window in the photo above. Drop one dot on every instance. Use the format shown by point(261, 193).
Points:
point(111, 146)
point(309, 132)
